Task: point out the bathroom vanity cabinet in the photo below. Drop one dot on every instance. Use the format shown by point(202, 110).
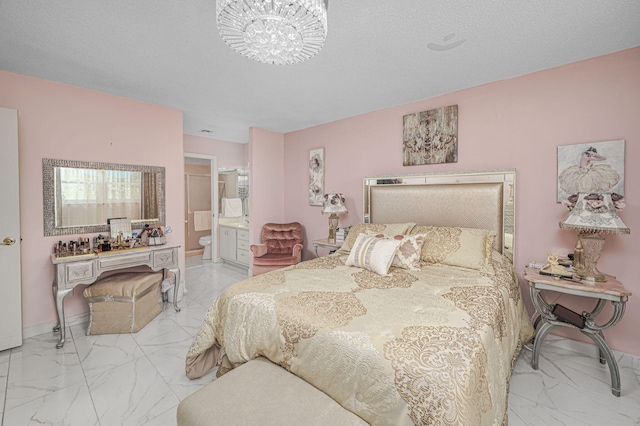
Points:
point(234, 244)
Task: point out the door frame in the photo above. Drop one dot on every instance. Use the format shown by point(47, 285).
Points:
point(213, 161)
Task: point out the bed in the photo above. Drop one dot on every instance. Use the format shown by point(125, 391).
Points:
point(430, 340)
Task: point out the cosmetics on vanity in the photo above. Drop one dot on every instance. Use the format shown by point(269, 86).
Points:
point(73, 248)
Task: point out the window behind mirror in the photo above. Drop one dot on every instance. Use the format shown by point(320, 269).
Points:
point(90, 197)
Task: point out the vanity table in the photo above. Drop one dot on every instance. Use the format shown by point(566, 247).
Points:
point(86, 269)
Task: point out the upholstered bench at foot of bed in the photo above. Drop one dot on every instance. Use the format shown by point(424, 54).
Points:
point(262, 393)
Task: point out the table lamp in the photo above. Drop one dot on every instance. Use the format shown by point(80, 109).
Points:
point(592, 215)
point(333, 207)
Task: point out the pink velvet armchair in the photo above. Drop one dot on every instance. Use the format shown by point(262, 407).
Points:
point(281, 246)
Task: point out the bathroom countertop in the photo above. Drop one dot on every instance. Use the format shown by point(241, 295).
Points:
point(238, 225)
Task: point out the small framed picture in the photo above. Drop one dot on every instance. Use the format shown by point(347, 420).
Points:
point(316, 177)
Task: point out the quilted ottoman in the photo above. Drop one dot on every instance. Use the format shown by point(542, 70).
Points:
point(123, 303)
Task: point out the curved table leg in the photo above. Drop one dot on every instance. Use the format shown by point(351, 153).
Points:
point(60, 295)
point(176, 272)
point(537, 345)
point(613, 364)
point(602, 359)
point(54, 287)
point(529, 345)
point(536, 321)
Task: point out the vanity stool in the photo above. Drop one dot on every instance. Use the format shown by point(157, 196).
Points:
point(123, 303)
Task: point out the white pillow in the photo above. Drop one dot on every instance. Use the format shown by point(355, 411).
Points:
point(372, 253)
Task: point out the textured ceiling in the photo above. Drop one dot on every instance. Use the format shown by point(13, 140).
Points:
point(378, 54)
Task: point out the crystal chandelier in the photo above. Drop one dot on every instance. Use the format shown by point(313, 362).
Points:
point(273, 31)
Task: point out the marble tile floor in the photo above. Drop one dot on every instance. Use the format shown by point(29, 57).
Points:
point(139, 379)
point(571, 387)
point(135, 379)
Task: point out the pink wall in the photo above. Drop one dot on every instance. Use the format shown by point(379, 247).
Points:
point(65, 122)
point(266, 180)
point(229, 154)
point(516, 123)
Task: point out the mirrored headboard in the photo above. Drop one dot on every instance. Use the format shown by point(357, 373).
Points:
point(79, 196)
point(475, 199)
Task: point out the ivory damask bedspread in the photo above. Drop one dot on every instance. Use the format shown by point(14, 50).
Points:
point(429, 347)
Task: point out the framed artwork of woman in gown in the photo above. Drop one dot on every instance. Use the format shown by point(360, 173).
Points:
point(316, 177)
point(590, 167)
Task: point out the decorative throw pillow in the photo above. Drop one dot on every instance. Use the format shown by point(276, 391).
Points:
point(377, 228)
point(372, 253)
point(464, 247)
point(409, 250)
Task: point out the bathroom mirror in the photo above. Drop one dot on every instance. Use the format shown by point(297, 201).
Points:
point(80, 196)
point(234, 183)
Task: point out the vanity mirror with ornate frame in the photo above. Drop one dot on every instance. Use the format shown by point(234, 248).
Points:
point(80, 196)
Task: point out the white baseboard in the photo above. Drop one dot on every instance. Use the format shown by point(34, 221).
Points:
point(579, 346)
point(37, 330)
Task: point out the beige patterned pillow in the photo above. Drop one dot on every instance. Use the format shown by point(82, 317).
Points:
point(464, 247)
point(369, 228)
point(372, 253)
point(409, 251)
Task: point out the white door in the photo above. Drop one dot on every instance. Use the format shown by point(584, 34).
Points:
point(10, 288)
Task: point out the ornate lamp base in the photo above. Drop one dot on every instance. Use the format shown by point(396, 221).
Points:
point(592, 245)
point(333, 226)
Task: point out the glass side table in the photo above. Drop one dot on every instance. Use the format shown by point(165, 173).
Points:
point(610, 290)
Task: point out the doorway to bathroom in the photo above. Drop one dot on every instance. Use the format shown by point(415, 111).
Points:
point(201, 204)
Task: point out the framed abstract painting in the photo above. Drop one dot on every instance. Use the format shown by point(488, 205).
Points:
point(430, 137)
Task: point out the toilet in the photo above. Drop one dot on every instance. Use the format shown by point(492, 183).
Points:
point(206, 243)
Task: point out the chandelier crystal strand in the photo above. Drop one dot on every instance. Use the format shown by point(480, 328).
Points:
point(273, 31)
